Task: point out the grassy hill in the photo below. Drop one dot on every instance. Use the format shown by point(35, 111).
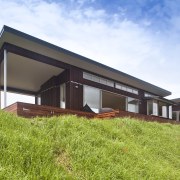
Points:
point(68, 147)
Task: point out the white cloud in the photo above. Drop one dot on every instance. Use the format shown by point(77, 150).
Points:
point(120, 43)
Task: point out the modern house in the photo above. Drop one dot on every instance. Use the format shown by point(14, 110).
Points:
point(60, 78)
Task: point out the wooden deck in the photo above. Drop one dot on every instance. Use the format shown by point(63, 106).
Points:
point(31, 110)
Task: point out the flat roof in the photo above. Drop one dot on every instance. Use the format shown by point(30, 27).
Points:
point(42, 47)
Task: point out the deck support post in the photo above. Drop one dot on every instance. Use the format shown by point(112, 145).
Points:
point(5, 78)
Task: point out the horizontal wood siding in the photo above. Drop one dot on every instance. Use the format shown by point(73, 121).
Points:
point(11, 108)
point(31, 110)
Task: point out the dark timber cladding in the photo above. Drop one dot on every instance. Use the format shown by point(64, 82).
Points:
point(177, 107)
point(73, 77)
point(50, 90)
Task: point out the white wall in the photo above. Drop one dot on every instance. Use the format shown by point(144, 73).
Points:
point(13, 97)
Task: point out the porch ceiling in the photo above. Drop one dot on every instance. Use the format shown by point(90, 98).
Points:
point(31, 43)
point(27, 74)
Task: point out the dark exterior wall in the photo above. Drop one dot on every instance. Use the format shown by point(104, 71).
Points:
point(176, 107)
point(74, 89)
point(73, 77)
point(142, 103)
point(50, 90)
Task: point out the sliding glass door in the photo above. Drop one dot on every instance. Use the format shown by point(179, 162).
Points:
point(132, 105)
point(152, 107)
point(96, 99)
point(163, 109)
point(114, 101)
point(92, 97)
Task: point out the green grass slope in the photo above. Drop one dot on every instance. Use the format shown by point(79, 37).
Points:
point(68, 147)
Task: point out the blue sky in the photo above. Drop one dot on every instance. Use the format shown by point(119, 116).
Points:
point(158, 12)
point(138, 37)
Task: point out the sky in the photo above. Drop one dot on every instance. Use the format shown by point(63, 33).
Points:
point(138, 37)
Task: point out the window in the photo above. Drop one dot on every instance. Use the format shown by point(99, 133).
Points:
point(114, 101)
point(155, 108)
point(110, 83)
point(135, 91)
point(95, 79)
point(152, 107)
point(98, 79)
point(39, 100)
point(148, 95)
point(92, 97)
point(126, 88)
point(103, 81)
point(163, 109)
point(87, 76)
point(132, 105)
point(63, 96)
point(170, 112)
point(149, 107)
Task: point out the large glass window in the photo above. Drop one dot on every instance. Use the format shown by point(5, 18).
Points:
point(92, 97)
point(98, 79)
point(163, 109)
point(155, 107)
point(132, 105)
point(126, 88)
point(170, 112)
point(152, 107)
point(148, 95)
point(114, 101)
point(39, 99)
point(63, 96)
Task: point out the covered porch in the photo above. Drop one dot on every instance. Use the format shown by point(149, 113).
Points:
point(25, 75)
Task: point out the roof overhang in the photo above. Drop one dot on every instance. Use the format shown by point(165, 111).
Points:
point(12, 36)
point(26, 75)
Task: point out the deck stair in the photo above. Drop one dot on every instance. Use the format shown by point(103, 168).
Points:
point(111, 114)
